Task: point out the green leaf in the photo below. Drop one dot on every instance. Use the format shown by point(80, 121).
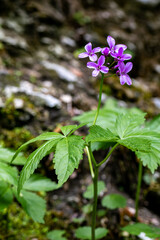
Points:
point(56, 235)
point(137, 228)
point(44, 136)
point(98, 134)
point(95, 146)
point(154, 124)
point(7, 154)
point(87, 208)
point(113, 201)
point(76, 128)
point(67, 156)
point(127, 123)
point(136, 143)
point(67, 129)
point(38, 182)
point(150, 158)
point(33, 161)
point(34, 205)
point(6, 196)
point(89, 192)
point(107, 115)
point(8, 174)
point(85, 233)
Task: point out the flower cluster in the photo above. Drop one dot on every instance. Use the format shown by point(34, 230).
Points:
point(112, 59)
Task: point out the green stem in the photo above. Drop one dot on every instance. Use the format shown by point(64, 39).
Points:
point(112, 64)
point(90, 161)
point(138, 189)
point(94, 213)
point(108, 155)
point(99, 101)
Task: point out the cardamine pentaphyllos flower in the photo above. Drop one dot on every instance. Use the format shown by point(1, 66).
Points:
point(111, 60)
point(90, 52)
point(119, 56)
point(123, 70)
point(98, 66)
point(112, 47)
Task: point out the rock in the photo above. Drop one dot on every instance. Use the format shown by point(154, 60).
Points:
point(149, 2)
point(68, 41)
point(156, 102)
point(28, 89)
point(18, 103)
point(14, 40)
point(62, 72)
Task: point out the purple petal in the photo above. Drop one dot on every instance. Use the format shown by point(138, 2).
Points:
point(111, 42)
point(101, 60)
point(83, 55)
point(120, 51)
point(91, 65)
point(118, 46)
point(128, 80)
point(127, 56)
point(114, 54)
point(105, 51)
point(95, 73)
point(104, 69)
point(121, 66)
point(93, 57)
point(88, 47)
point(128, 67)
point(97, 49)
point(122, 79)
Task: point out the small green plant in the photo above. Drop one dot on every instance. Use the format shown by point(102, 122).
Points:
point(34, 205)
point(109, 128)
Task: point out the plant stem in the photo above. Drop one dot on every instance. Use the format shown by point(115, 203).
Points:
point(90, 161)
point(108, 155)
point(138, 189)
point(94, 213)
point(99, 101)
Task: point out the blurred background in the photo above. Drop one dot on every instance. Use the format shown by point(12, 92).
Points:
point(42, 81)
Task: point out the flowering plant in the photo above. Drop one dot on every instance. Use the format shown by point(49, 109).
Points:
point(125, 129)
point(116, 52)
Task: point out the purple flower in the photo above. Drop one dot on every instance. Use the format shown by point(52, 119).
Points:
point(98, 67)
point(105, 51)
point(112, 47)
point(123, 70)
point(90, 52)
point(119, 56)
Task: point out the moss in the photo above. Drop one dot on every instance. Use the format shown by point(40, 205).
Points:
point(17, 225)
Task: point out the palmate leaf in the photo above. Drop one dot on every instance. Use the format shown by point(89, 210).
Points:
point(144, 142)
point(154, 124)
point(71, 128)
point(38, 182)
point(67, 156)
point(33, 161)
point(44, 136)
point(67, 129)
point(6, 195)
point(7, 154)
point(151, 156)
point(127, 123)
point(8, 174)
point(99, 134)
point(107, 114)
point(34, 205)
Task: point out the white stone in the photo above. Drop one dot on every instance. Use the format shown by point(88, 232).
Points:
point(63, 72)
